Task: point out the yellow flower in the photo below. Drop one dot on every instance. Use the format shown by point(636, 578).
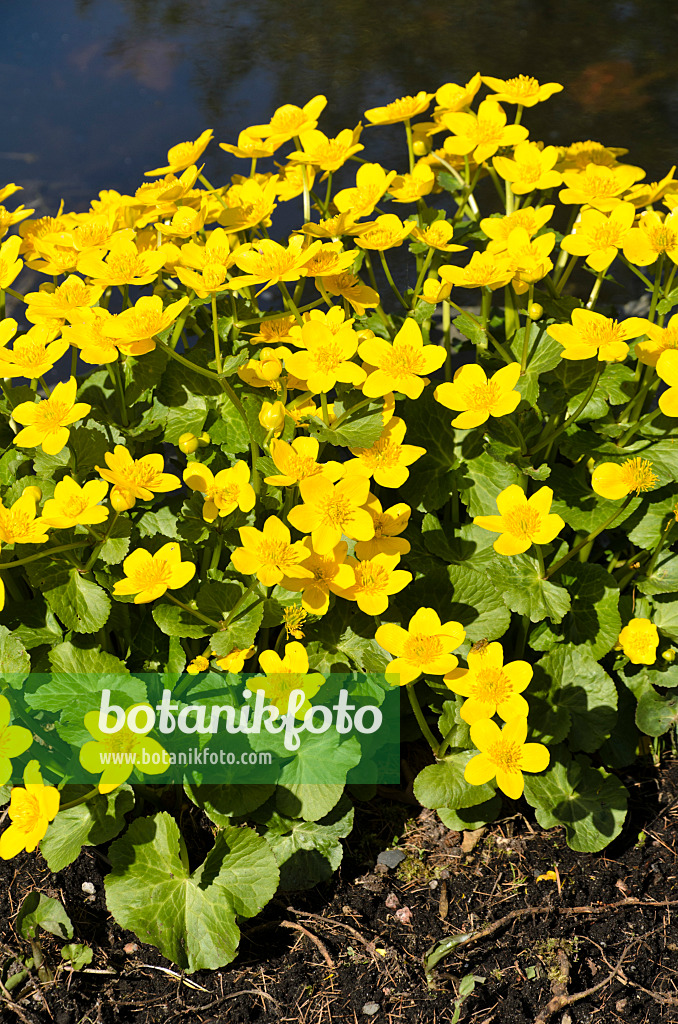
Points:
point(73, 504)
point(376, 579)
point(182, 155)
point(452, 97)
point(387, 527)
point(235, 661)
point(134, 329)
point(18, 524)
point(250, 147)
point(594, 335)
point(648, 192)
point(326, 358)
point(523, 90)
point(387, 232)
point(223, 493)
point(288, 121)
point(137, 478)
point(330, 510)
point(359, 295)
point(660, 340)
point(598, 186)
point(504, 754)
point(371, 182)
point(149, 576)
point(292, 180)
point(388, 458)
point(528, 258)
point(86, 333)
point(598, 237)
point(249, 203)
point(47, 421)
point(490, 686)
point(95, 754)
point(580, 154)
point(266, 263)
point(297, 461)
point(62, 303)
point(410, 188)
point(197, 665)
point(329, 261)
point(476, 398)
point(14, 740)
point(33, 354)
point(654, 237)
point(614, 480)
point(667, 369)
point(330, 573)
point(400, 366)
point(10, 265)
point(481, 134)
point(400, 110)
point(334, 227)
point(437, 236)
point(8, 329)
point(269, 555)
point(522, 521)
point(486, 270)
point(328, 154)
point(185, 222)
point(498, 229)
point(30, 812)
point(10, 217)
point(286, 674)
point(423, 648)
point(272, 416)
point(531, 168)
point(639, 640)
point(124, 264)
point(294, 618)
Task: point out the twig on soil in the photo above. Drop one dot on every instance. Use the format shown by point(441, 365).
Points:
point(561, 1002)
point(314, 939)
point(324, 922)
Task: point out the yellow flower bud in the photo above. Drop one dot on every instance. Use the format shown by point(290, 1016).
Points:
point(204, 439)
point(669, 655)
point(272, 415)
point(121, 500)
point(365, 335)
point(535, 311)
point(270, 367)
point(188, 443)
point(33, 492)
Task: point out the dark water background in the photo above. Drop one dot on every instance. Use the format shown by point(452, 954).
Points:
point(96, 91)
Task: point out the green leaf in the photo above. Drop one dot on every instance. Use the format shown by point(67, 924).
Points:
point(656, 714)
point(225, 801)
point(664, 576)
point(360, 432)
point(308, 852)
point(14, 659)
point(429, 426)
point(443, 784)
point(193, 919)
point(578, 689)
point(324, 757)
point(40, 911)
point(646, 526)
point(90, 443)
point(243, 629)
point(229, 431)
point(80, 604)
point(594, 619)
point(617, 382)
point(567, 385)
point(144, 373)
point(161, 521)
point(347, 631)
point(584, 510)
point(666, 616)
point(79, 675)
point(469, 818)
point(176, 621)
point(590, 803)
point(115, 548)
point(483, 479)
point(89, 824)
point(476, 604)
point(519, 582)
point(77, 955)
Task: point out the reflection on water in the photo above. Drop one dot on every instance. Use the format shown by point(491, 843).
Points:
point(100, 89)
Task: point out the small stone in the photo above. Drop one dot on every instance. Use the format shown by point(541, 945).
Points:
point(433, 884)
point(392, 901)
point(391, 858)
point(370, 1009)
point(89, 888)
point(404, 915)
point(471, 839)
point(130, 947)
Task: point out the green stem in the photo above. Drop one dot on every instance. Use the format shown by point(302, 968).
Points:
point(410, 148)
point(215, 331)
point(589, 537)
point(445, 742)
point(422, 274)
point(254, 447)
point(95, 554)
point(575, 415)
point(419, 715)
point(41, 554)
point(526, 335)
point(80, 800)
point(193, 611)
point(390, 280)
point(116, 380)
point(326, 412)
point(238, 604)
point(635, 427)
point(349, 412)
point(288, 298)
point(656, 290)
point(595, 290)
point(562, 280)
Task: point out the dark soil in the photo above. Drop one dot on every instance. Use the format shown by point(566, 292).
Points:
point(606, 926)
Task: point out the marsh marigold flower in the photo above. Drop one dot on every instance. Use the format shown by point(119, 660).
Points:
point(490, 686)
point(522, 90)
point(139, 747)
point(137, 478)
point(182, 155)
point(481, 134)
point(87, 333)
point(388, 459)
point(298, 461)
point(267, 263)
point(149, 576)
point(659, 340)
point(371, 182)
point(269, 554)
point(124, 264)
point(74, 505)
point(639, 640)
point(388, 525)
point(19, 525)
point(452, 97)
point(326, 357)
point(599, 237)
point(410, 188)
point(288, 121)
point(400, 366)
point(224, 492)
point(376, 579)
point(530, 168)
point(250, 147)
point(504, 754)
point(654, 237)
point(33, 354)
point(592, 335)
point(598, 186)
point(235, 660)
point(330, 574)
point(386, 232)
point(330, 510)
point(485, 270)
point(134, 329)
point(46, 422)
point(614, 480)
point(360, 296)
point(10, 265)
point(30, 811)
point(423, 648)
point(63, 302)
point(522, 521)
point(437, 236)
point(528, 258)
point(399, 110)
point(328, 154)
point(286, 674)
point(667, 369)
point(476, 398)
point(498, 229)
